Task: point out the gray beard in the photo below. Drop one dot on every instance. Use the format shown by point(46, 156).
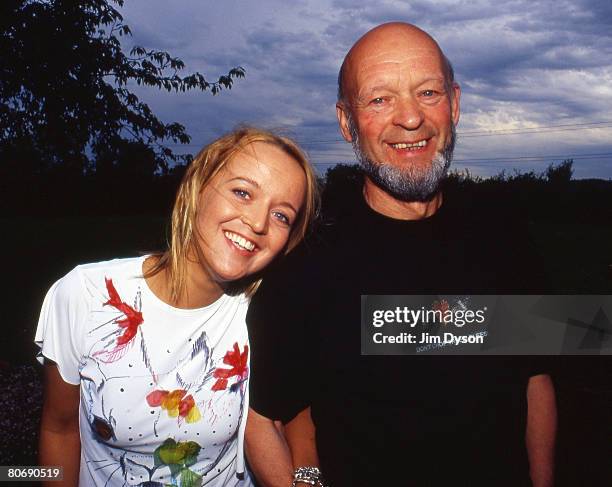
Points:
point(407, 183)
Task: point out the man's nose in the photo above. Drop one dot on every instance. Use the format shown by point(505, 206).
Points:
point(408, 114)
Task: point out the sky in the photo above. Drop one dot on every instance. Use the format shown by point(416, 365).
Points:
point(536, 75)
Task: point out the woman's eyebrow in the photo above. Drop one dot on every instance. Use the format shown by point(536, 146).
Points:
point(256, 184)
point(289, 205)
point(248, 180)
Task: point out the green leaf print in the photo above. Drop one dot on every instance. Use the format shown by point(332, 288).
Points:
point(190, 479)
point(178, 457)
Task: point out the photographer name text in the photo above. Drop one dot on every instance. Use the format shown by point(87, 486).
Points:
point(429, 339)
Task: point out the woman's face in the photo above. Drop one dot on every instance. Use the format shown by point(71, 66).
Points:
point(246, 212)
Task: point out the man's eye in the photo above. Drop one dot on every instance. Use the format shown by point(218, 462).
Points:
point(282, 217)
point(431, 93)
point(241, 193)
point(378, 100)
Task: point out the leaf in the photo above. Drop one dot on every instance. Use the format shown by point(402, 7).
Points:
point(171, 454)
point(192, 449)
point(190, 479)
point(64, 96)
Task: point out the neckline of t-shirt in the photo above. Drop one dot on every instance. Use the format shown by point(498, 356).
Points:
point(162, 304)
point(380, 218)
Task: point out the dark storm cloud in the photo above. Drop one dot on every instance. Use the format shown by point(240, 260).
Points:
point(422, 13)
point(291, 57)
point(488, 40)
point(520, 63)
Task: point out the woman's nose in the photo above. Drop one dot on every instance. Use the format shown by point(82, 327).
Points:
point(257, 220)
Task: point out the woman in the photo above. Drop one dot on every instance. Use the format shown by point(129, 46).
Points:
point(150, 355)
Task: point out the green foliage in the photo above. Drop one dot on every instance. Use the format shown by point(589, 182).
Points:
point(463, 176)
point(560, 174)
point(64, 93)
point(550, 195)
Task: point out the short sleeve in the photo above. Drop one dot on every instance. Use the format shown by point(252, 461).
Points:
point(59, 334)
point(281, 349)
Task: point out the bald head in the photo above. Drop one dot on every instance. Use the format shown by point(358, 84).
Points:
point(393, 36)
point(398, 105)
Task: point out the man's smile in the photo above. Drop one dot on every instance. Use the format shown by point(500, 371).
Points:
point(409, 145)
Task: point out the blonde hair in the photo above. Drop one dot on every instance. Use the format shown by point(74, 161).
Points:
point(208, 163)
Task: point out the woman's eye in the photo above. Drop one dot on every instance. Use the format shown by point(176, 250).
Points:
point(241, 193)
point(378, 100)
point(282, 217)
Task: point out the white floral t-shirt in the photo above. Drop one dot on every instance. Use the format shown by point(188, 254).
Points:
point(164, 391)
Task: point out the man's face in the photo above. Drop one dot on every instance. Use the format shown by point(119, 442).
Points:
point(400, 115)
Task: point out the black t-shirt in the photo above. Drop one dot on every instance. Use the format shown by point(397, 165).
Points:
point(395, 420)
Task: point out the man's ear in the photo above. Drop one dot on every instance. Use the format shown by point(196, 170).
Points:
point(343, 121)
point(455, 103)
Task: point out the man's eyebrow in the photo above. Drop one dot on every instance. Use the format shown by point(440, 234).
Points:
point(441, 79)
point(370, 91)
point(385, 87)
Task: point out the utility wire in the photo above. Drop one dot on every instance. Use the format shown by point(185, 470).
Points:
point(515, 159)
point(478, 131)
point(491, 133)
point(468, 133)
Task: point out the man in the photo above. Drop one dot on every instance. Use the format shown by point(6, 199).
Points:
point(395, 420)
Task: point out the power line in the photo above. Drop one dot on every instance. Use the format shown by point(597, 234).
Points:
point(468, 133)
point(519, 158)
point(485, 133)
point(491, 133)
point(540, 127)
point(534, 130)
point(564, 156)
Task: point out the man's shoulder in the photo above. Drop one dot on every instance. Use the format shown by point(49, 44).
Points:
point(301, 264)
point(477, 211)
point(304, 272)
point(495, 233)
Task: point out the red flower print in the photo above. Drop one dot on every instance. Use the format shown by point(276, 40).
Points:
point(175, 403)
point(185, 405)
point(238, 361)
point(132, 318)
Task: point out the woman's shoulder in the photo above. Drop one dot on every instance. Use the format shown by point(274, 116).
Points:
point(130, 265)
point(83, 279)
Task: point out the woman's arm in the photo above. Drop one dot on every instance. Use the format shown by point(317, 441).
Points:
point(300, 434)
point(267, 451)
point(541, 430)
point(59, 443)
point(273, 450)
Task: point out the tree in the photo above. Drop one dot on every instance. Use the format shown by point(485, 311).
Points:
point(64, 94)
point(560, 174)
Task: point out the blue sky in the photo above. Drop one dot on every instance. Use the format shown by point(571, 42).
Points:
point(536, 75)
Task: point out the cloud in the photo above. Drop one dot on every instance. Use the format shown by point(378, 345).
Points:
point(521, 63)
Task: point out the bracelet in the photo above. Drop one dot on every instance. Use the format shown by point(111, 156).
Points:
point(307, 475)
